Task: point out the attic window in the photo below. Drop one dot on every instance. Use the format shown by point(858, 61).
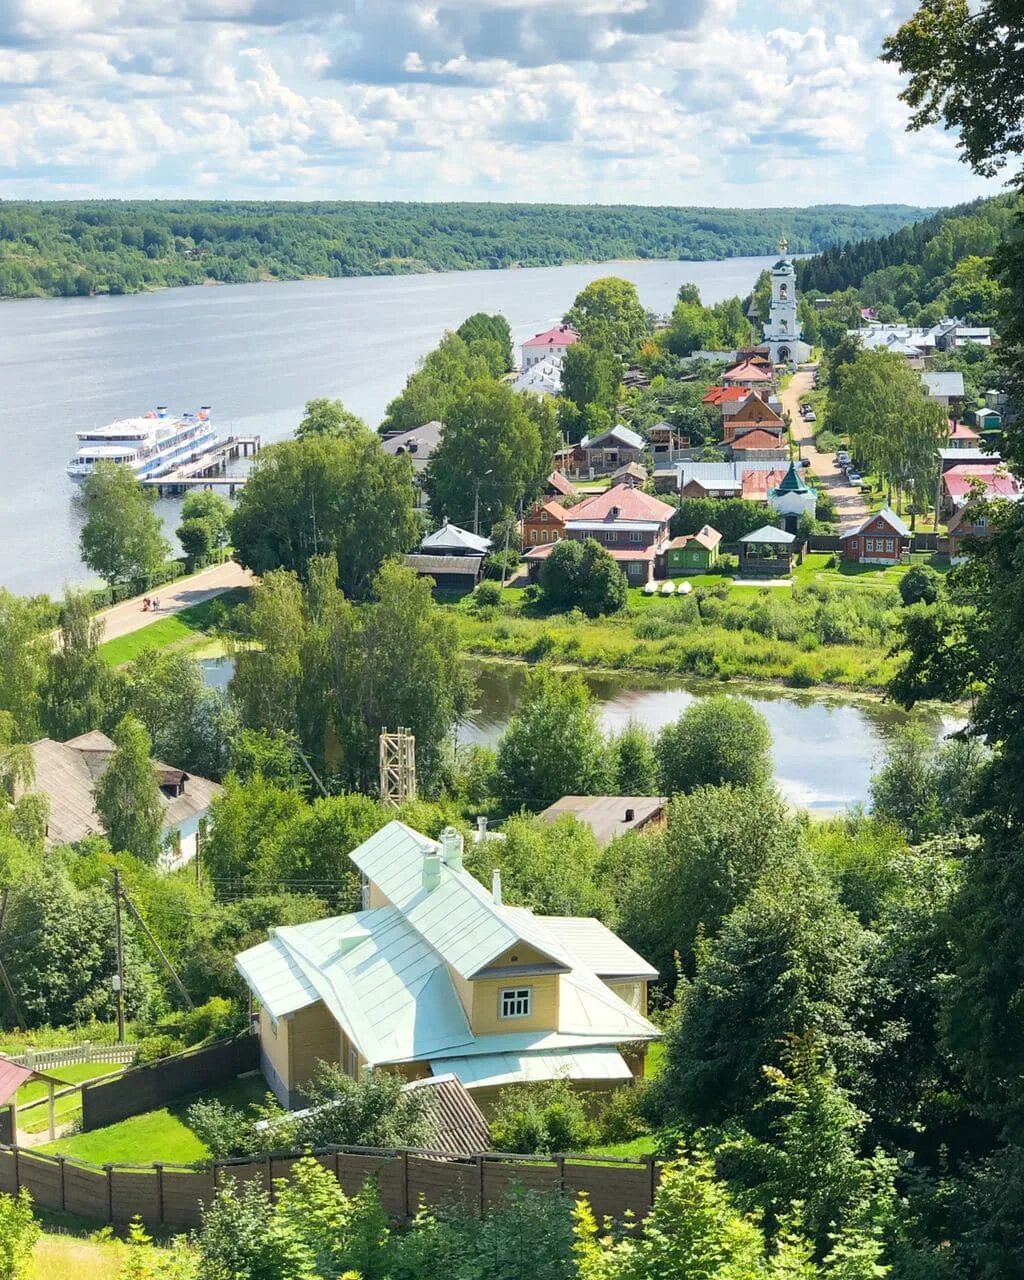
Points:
point(515, 1002)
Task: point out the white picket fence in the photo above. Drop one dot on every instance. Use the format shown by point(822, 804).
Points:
point(50, 1059)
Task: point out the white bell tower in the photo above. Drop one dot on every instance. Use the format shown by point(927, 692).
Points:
point(782, 332)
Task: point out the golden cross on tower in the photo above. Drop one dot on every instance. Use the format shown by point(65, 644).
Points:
point(783, 246)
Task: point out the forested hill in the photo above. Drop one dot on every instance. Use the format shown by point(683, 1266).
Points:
point(931, 247)
point(64, 249)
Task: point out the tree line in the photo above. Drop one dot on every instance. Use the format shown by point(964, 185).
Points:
point(61, 249)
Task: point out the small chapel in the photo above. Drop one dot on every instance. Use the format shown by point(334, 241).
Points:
point(782, 333)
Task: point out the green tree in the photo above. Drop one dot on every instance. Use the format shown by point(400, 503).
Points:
point(717, 739)
point(928, 788)
point(813, 1157)
point(487, 328)
point(75, 680)
point(790, 961)
point(584, 575)
point(880, 406)
point(24, 642)
point(443, 376)
point(678, 885)
point(330, 418)
point(552, 746)
point(121, 538)
point(491, 457)
point(187, 721)
point(409, 673)
point(609, 310)
point(550, 867)
point(128, 798)
point(326, 495)
point(205, 516)
point(633, 762)
point(591, 375)
point(956, 56)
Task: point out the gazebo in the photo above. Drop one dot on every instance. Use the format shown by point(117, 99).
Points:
point(12, 1077)
point(767, 552)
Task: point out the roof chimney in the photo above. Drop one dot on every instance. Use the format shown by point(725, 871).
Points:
point(630, 815)
point(431, 870)
point(496, 886)
point(451, 848)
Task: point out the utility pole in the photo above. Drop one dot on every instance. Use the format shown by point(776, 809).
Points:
point(119, 976)
point(159, 950)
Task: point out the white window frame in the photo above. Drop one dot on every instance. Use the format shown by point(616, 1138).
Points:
point(888, 544)
point(636, 536)
point(515, 1002)
point(869, 545)
point(352, 1065)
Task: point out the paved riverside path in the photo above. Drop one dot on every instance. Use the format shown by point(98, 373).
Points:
point(849, 500)
point(121, 619)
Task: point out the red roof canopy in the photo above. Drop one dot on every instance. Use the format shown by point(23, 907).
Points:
point(960, 481)
point(747, 372)
point(633, 504)
point(759, 438)
point(562, 335)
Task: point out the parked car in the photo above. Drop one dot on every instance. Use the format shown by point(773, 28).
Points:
point(843, 458)
point(854, 477)
point(810, 416)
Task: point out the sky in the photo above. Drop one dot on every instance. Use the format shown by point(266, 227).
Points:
point(692, 102)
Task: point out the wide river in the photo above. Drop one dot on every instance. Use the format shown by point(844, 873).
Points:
point(256, 353)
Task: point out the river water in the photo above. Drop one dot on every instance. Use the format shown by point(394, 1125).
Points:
point(256, 353)
point(825, 748)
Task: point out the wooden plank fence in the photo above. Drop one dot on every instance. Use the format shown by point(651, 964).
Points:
point(175, 1195)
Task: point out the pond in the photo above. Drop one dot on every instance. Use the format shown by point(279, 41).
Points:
point(825, 747)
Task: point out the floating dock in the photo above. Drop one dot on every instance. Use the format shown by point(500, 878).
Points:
point(209, 470)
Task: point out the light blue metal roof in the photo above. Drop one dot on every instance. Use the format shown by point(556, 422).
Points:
point(383, 984)
point(458, 918)
point(488, 1069)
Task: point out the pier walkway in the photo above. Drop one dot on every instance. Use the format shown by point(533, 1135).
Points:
point(210, 470)
point(128, 616)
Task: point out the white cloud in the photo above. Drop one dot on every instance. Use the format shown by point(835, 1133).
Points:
point(657, 101)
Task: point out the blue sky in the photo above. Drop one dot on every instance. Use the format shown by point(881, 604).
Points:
point(710, 102)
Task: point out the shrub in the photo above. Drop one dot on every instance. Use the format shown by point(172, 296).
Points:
point(622, 1119)
point(920, 585)
point(541, 1118)
point(225, 1130)
point(803, 675)
point(153, 1048)
point(19, 1232)
point(214, 1020)
point(487, 593)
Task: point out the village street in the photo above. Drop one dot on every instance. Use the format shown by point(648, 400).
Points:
point(130, 616)
point(849, 501)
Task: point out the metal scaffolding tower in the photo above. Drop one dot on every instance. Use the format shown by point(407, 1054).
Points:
point(397, 767)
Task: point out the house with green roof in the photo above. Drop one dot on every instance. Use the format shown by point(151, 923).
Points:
point(439, 976)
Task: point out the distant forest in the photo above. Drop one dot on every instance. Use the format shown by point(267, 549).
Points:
point(66, 249)
point(924, 271)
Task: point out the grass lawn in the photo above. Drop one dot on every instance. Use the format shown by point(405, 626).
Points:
point(65, 1257)
point(637, 1147)
point(156, 1135)
point(182, 631)
point(36, 1120)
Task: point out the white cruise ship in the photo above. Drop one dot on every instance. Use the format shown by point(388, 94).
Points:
point(151, 445)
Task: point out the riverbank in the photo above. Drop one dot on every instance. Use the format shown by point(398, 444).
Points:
point(833, 628)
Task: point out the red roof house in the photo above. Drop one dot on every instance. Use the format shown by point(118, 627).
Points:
point(759, 439)
point(630, 524)
point(964, 480)
point(552, 343)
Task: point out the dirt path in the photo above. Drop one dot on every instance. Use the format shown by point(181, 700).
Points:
point(122, 619)
point(849, 500)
